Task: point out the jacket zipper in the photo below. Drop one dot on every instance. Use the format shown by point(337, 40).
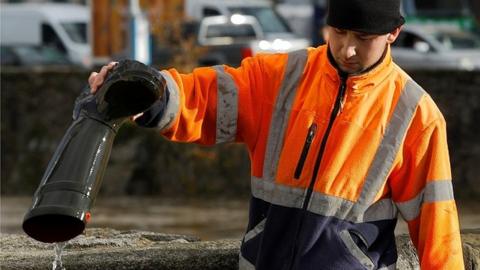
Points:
point(306, 147)
point(333, 116)
point(336, 109)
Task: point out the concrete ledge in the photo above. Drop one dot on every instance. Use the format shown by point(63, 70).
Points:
point(112, 249)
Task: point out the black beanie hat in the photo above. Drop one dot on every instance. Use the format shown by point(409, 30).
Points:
point(369, 16)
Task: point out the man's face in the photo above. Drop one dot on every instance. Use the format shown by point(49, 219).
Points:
point(355, 52)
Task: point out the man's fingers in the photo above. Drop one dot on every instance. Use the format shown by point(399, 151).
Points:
point(96, 78)
point(91, 80)
point(98, 81)
point(100, 77)
point(112, 65)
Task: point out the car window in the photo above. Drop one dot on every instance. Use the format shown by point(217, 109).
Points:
point(459, 40)
point(28, 54)
point(270, 21)
point(50, 38)
point(77, 31)
point(231, 30)
point(407, 40)
point(32, 55)
point(207, 12)
point(51, 55)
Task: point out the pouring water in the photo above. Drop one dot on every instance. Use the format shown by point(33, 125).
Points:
point(57, 262)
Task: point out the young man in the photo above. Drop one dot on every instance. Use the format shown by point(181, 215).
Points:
point(341, 140)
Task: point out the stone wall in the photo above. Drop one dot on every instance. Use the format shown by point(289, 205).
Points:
point(36, 110)
point(110, 249)
point(457, 94)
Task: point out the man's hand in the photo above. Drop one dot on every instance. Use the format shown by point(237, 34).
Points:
point(150, 118)
point(96, 79)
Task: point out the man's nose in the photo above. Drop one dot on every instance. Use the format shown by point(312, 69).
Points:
point(350, 51)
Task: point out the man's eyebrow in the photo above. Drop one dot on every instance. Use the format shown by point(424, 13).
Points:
point(364, 34)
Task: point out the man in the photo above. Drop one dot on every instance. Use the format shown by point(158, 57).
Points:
point(340, 140)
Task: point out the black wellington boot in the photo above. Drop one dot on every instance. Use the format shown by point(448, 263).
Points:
point(61, 204)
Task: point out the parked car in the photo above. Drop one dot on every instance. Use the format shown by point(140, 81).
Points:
point(436, 47)
point(271, 23)
point(229, 39)
point(29, 55)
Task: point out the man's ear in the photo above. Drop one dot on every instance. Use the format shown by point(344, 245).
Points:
point(392, 36)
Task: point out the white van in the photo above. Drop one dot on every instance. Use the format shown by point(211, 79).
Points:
point(63, 26)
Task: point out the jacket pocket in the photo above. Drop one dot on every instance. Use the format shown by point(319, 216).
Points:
point(306, 147)
point(258, 229)
point(295, 142)
point(355, 250)
point(250, 246)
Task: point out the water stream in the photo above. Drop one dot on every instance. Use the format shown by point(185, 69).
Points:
point(57, 262)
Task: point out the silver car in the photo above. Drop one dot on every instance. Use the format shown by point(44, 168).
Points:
point(436, 47)
point(228, 40)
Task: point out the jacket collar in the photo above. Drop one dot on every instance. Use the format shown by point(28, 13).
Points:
point(365, 80)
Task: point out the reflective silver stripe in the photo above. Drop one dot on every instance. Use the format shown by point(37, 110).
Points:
point(434, 191)
point(437, 191)
point(394, 135)
point(255, 231)
point(355, 250)
point(331, 206)
point(281, 114)
point(277, 194)
point(173, 106)
point(381, 210)
point(244, 264)
point(227, 106)
point(321, 204)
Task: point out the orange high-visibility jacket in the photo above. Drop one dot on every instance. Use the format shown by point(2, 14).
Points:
point(334, 159)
